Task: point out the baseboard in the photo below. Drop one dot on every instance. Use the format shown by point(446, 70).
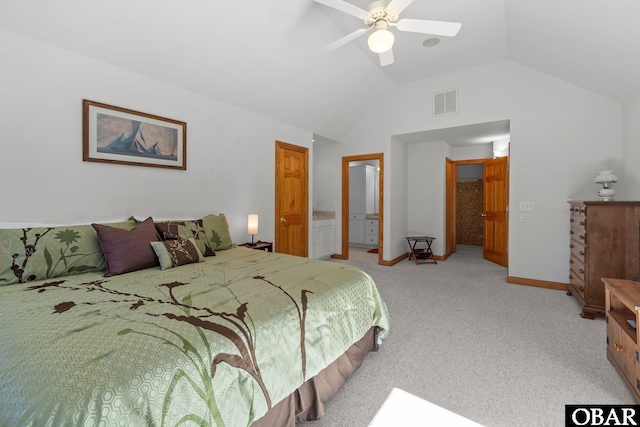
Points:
point(405, 256)
point(442, 257)
point(395, 260)
point(537, 283)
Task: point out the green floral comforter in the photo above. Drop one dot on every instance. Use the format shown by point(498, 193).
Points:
point(214, 343)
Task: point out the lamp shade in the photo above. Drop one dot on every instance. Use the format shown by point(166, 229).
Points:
point(252, 227)
point(381, 40)
point(606, 177)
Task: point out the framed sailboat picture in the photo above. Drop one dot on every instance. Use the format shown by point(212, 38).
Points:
point(118, 135)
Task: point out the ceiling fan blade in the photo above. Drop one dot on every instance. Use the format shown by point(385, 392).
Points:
point(344, 40)
point(345, 7)
point(398, 6)
point(386, 58)
point(437, 28)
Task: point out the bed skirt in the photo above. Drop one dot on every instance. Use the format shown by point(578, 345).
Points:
point(307, 402)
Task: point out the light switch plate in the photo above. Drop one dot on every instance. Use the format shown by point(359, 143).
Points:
point(526, 206)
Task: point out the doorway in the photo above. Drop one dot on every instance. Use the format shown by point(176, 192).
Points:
point(363, 187)
point(469, 204)
point(476, 206)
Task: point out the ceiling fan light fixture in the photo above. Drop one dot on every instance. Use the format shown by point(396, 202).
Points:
point(381, 40)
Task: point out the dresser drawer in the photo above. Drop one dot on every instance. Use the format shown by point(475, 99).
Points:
point(578, 209)
point(371, 230)
point(577, 282)
point(578, 222)
point(578, 234)
point(576, 266)
point(578, 250)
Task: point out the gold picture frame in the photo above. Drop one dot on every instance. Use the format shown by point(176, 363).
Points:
point(118, 135)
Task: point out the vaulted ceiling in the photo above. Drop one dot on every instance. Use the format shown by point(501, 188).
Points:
point(263, 55)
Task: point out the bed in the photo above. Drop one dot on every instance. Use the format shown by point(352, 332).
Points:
point(241, 338)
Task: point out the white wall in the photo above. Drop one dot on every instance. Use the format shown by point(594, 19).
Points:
point(230, 151)
point(629, 182)
point(425, 183)
point(560, 136)
point(327, 174)
point(396, 200)
point(479, 151)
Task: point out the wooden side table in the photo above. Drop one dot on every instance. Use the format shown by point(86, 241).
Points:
point(261, 246)
point(421, 254)
point(622, 315)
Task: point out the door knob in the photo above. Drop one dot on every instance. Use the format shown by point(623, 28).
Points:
point(483, 215)
point(282, 220)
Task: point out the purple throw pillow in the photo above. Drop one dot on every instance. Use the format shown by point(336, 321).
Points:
point(126, 251)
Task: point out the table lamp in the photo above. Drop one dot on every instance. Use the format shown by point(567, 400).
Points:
point(252, 227)
point(606, 178)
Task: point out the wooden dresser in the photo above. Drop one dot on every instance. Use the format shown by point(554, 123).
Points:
point(605, 242)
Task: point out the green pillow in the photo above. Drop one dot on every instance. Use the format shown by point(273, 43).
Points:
point(174, 253)
point(184, 229)
point(217, 230)
point(28, 254)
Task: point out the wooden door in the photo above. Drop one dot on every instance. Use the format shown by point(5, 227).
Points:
point(450, 195)
point(495, 210)
point(292, 195)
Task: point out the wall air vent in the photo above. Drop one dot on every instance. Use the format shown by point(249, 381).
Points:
point(445, 102)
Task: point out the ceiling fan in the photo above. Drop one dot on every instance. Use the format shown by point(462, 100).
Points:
point(379, 18)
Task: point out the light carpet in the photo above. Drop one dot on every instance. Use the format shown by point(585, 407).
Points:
point(496, 353)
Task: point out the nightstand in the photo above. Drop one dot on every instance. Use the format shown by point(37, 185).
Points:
point(622, 314)
point(425, 254)
point(261, 246)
